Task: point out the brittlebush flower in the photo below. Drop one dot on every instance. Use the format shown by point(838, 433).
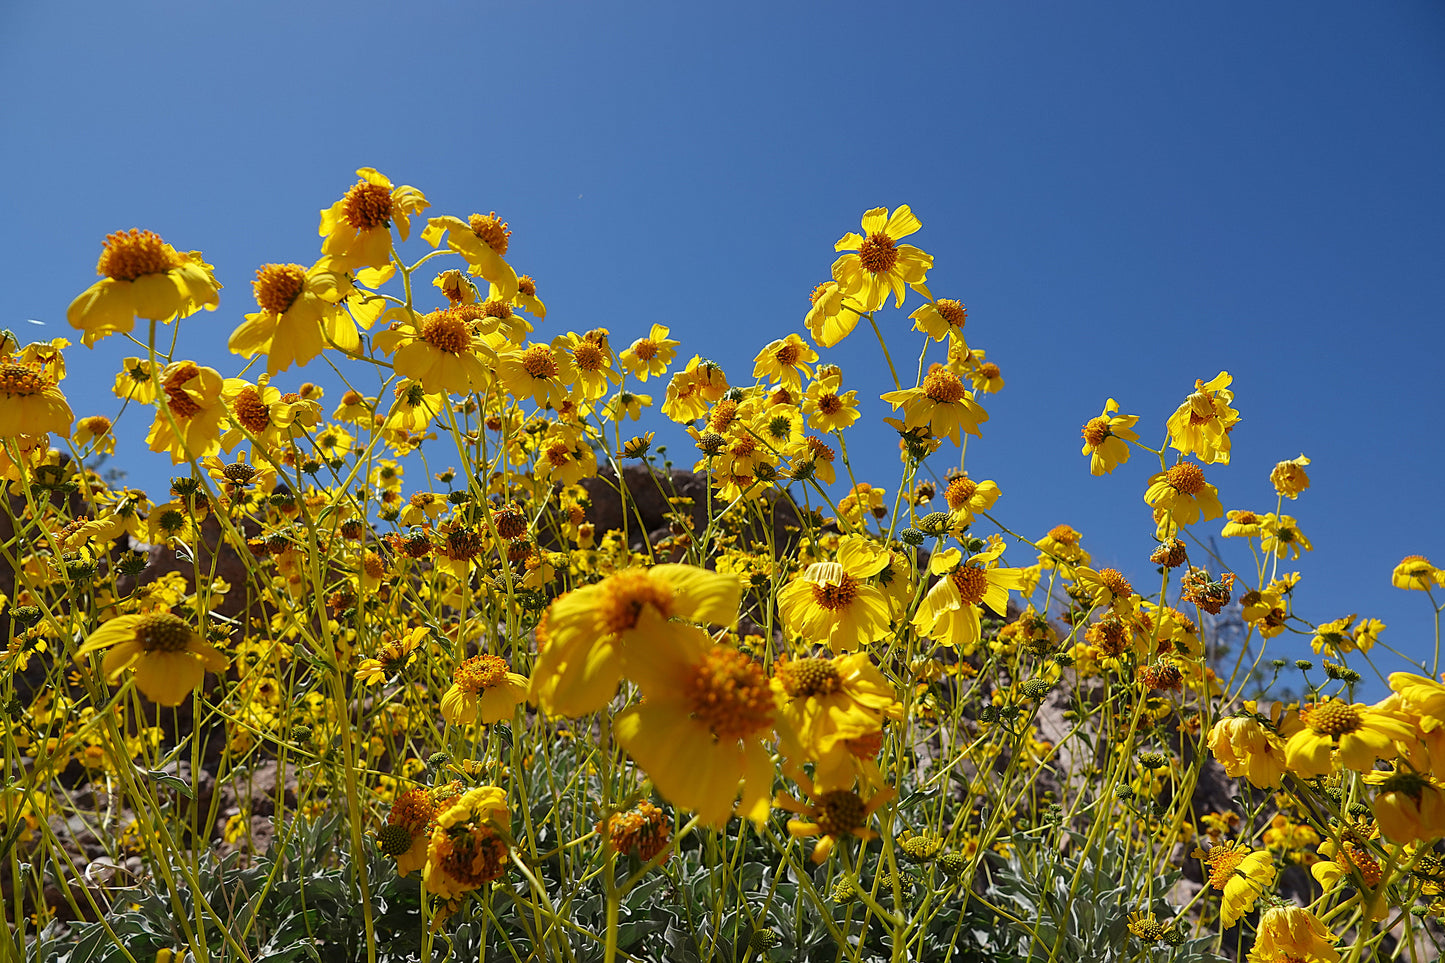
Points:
point(301, 315)
point(1289, 934)
point(1242, 875)
point(1289, 477)
point(169, 658)
point(941, 319)
point(1181, 496)
point(832, 814)
point(141, 276)
point(483, 691)
point(92, 433)
point(468, 847)
point(649, 357)
point(30, 403)
point(881, 264)
point(942, 404)
point(785, 361)
point(825, 408)
point(188, 420)
point(832, 603)
point(1281, 536)
point(440, 352)
point(698, 732)
point(825, 702)
point(408, 828)
point(950, 612)
point(829, 320)
point(1202, 424)
point(1409, 806)
point(1107, 437)
point(357, 228)
point(1244, 747)
point(1337, 733)
point(483, 240)
point(1417, 574)
point(1242, 523)
point(595, 632)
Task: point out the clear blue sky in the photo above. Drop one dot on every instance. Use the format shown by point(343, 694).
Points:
point(1127, 196)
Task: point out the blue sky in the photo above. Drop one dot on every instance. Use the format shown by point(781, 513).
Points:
point(1126, 196)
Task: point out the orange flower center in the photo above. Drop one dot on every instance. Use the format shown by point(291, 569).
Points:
point(474, 857)
point(840, 812)
point(413, 809)
point(817, 450)
point(830, 404)
point(787, 355)
point(19, 379)
point(1096, 431)
point(809, 677)
point(958, 492)
point(539, 362)
point(722, 415)
point(497, 309)
point(943, 386)
point(253, 413)
point(480, 672)
point(511, 523)
point(493, 232)
point(971, 582)
point(835, 597)
point(97, 425)
point(1333, 718)
point(527, 286)
point(644, 349)
point(952, 311)
point(180, 403)
point(1246, 518)
point(1186, 478)
point(373, 565)
point(588, 356)
point(818, 292)
point(1114, 580)
point(367, 206)
point(463, 544)
point(163, 632)
point(277, 286)
point(445, 332)
point(878, 253)
point(558, 453)
point(1222, 863)
point(729, 694)
point(989, 370)
point(128, 255)
point(626, 593)
point(1064, 535)
point(643, 831)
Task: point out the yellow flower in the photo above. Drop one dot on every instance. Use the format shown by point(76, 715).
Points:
point(1202, 424)
point(941, 319)
point(1346, 734)
point(408, 828)
point(643, 831)
point(301, 315)
point(694, 388)
point(394, 655)
point(1181, 496)
point(1416, 573)
point(697, 733)
point(468, 847)
point(1409, 806)
point(986, 376)
point(826, 409)
point(357, 227)
point(1242, 875)
point(188, 422)
point(950, 611)
point(649, 357)
point(30, 403)
point(881, 264)
point(1337, 638)
point(1242, 524)
point(833, 813)
point(829, 320)
point(1244, 747)
point(966, 496)
point(141, 275)
point(592, 360)
point(483, 241)
point(823, 702)
point(831, 603)
point(1289, 478)
point(483, 691)
point(1289, 934)
point(94, 434)
point(134, 382)
point(1282, 537)
point(440, 352)
point(1106, 588)
point(785, 361)
point(1061, 544)
point(540, 372)
point(1106, 439)
point(593, 633)
point(942, 404)
point(169, 658)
